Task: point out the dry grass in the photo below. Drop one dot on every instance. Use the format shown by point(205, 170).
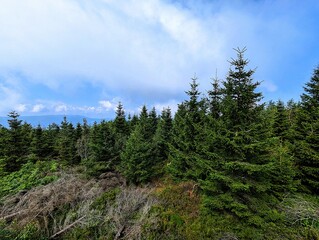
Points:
point(300, 211)
point(61, 205)
point(40, 204)
point(131, 212)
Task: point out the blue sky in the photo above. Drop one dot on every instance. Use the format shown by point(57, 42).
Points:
point(84, 56)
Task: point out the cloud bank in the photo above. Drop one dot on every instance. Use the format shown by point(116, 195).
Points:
point(140, 51)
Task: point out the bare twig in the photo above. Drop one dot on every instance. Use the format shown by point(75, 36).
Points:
point(10, 215)
point(67, 228)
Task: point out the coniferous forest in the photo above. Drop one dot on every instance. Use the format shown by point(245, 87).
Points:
point(224, 166)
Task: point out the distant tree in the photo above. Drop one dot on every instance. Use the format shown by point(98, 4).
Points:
point(120, 123)
point(51, 136)
point(162, 140)
point(138, 157)
point(281, 125)
point(121, 131)
point(67, 143)
point(214, 98)
point(133, 122)
point(16, 149)
point(38, 144)
point(153, 119)
point(186, 132)
point(82, 144)
point(102, 142)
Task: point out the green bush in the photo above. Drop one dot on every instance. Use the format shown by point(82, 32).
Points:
point(30, 175)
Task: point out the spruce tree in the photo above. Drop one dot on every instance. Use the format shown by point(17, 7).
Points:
point(16, 149)
point(215, 97)
point(38, 144)
point(51, 138)
point(120, 123)
point(307, 139)
point(138, 158)
point(186, 132)
point(248, 175)
point(281, 124)
point(162, 139)
point(82, 144)
point(121, 131)
point(67, 143)
point(153, 119)
point(132, 123)
point(102, 145)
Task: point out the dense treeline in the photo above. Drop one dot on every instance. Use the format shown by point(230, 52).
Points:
point(244, 156)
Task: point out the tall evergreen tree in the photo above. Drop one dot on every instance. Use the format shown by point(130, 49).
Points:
point(281, 125)
point(67, 143)
point(120, 123)
point(186, 132)
point(121, 130)
point(307, 139)
point(102, 144)
point(15, 149)
point(241, 102)
point(138, 157)
point(162, 138)
point(250, 172)
point(153, 120)
point(82, 144)
point(38, 144)
point(132, 123)
point(215, 97)
point(51, 137)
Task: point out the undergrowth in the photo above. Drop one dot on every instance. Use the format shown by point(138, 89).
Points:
point(30, 175)
point(74, 207)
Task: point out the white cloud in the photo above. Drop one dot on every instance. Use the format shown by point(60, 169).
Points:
point(145, 50)
point(37, 108)
point(61, 108)
point(20, 108)
point(106, 104)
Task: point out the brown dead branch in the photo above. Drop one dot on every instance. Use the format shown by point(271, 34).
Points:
point(66, 228)
point(10, 216)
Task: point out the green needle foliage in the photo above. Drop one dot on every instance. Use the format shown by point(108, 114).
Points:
point(307, 141)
